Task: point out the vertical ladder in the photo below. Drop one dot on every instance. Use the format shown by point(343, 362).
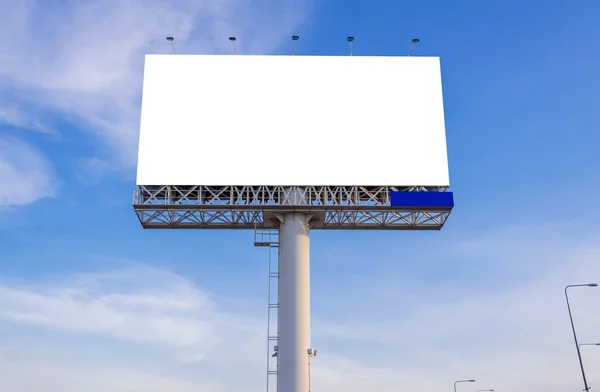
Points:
point(270, 239)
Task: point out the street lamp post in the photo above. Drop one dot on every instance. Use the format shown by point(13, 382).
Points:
point(586, 388)
point(456, 382)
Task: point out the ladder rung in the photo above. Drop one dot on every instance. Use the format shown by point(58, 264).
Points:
point(273, 306)
point(270, 244)
point(272, 372)
point(274, 275)
point(261, 243)
point(273, 338)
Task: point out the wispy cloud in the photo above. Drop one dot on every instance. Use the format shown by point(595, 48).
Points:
point(25, 175)
point(84, 60)
point(162, 324)
point(137, 305)
point(507, 337)
point(74, 377)
point(509, 332)
point(12, 116)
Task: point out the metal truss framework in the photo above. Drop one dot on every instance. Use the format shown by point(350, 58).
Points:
point(251, 207)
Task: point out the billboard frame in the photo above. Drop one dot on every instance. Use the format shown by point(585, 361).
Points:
point(251, 207)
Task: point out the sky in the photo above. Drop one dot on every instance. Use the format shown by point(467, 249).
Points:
point(90, 301)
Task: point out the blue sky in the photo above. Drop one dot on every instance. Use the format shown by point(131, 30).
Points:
point(90, 301)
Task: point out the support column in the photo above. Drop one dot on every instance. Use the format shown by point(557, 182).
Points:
point(294, 304)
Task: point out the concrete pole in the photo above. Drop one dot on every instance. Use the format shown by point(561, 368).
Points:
point(294, 304)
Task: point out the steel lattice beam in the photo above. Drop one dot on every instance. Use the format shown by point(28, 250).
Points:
point(249, 207)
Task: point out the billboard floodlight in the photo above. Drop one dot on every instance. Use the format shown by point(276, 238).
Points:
point(172, 41)
point(414, 41)
point(351, 41)
point(232, 39)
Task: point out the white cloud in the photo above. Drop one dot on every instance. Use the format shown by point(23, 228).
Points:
point(138, 305)
point(73, 377)
point(512, 334)
point(12, 116)
point(85, 59)
point(25, 175)
point(160, 323)
point(152, 324)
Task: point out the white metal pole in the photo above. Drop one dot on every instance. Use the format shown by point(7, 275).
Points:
point(294, 304)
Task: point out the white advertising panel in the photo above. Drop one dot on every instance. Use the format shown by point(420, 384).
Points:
point(292, 120)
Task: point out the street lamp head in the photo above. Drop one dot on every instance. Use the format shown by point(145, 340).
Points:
point(470, 380)
point(415, 41)
point(593, 284)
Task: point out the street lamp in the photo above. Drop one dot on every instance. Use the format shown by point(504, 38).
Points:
point(456, 382)
point(589, 344)
point(485, 390)
point(586, 388)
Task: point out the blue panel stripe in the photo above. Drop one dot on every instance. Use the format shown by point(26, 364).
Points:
point(422, 199)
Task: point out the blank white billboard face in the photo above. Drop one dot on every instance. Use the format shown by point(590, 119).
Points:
point(292, 120)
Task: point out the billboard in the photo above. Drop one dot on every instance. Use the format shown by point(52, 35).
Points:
point(292, 120)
